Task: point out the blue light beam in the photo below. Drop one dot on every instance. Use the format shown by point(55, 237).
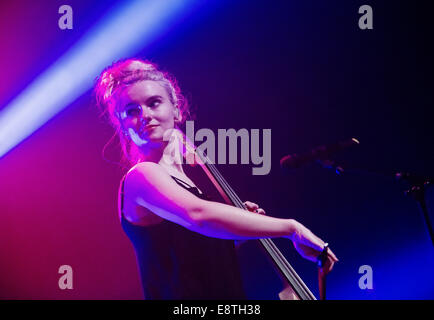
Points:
point(123, 32)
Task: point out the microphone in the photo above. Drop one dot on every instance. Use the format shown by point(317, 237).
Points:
point(413, 178)
point(319, 153)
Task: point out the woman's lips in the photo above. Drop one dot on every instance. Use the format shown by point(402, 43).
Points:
point(149, 127)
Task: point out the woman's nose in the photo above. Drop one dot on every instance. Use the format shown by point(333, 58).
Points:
point(146, 114)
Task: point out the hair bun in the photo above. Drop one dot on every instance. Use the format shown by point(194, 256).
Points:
point(140, 65)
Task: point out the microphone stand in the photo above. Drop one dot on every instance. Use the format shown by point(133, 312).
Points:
point(417, 191)
point(418, 185)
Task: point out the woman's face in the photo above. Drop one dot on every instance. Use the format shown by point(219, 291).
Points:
point(146, 112)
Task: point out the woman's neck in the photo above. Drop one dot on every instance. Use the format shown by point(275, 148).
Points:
point(168, 154)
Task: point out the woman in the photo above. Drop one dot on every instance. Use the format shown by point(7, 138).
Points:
point(183, 241)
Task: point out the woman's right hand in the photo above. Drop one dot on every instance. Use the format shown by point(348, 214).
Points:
point(309, 246)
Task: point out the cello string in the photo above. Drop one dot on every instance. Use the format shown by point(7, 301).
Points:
point(299, 282)
point(236, 201)
point(288, 272)
point(229, 191)
point(296, 282)
point(272, 248)
point(268, 243)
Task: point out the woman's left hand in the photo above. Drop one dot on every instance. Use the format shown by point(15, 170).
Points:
point(253, 207)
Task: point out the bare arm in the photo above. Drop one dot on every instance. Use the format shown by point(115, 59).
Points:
point(152, 187)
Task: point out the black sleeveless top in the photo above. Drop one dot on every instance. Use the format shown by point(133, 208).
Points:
point(176, 263)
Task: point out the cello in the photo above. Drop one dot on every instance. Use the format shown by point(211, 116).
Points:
point(293, 286)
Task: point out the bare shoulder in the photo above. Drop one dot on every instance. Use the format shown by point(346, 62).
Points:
point(145, 175)
point(135, 179)
point(149, 187)
point(146, 170)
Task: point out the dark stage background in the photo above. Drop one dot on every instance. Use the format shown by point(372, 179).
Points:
point(303, 69)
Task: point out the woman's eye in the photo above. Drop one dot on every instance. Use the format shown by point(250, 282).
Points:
point(154, 103)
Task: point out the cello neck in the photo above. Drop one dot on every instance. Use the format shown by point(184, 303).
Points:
point(281, 264)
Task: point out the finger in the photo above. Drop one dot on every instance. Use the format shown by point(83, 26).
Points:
point(260, 211)
point(332, 255)
point(329, 265)
point(317, 243)
point(251, 205)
